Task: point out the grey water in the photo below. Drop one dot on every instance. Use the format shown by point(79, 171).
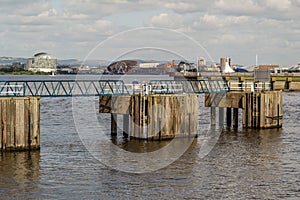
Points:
point(244, 163)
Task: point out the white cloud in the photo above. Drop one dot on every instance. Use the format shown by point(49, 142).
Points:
point(72, 28)
point(182, 7)
point(278, 4)
point(241, 7)
point(174, 21)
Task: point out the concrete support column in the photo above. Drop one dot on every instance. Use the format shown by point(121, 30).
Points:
point(228, 117)
point(235, 117)
point(114, 125)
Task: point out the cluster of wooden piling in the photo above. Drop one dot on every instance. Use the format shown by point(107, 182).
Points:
point(263, 110)
point(259, 109)
point(154, 117)
point(20, 123)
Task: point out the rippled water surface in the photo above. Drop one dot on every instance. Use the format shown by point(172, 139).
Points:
point(244, 164)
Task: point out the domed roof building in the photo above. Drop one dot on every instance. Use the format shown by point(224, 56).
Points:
point(42, 62)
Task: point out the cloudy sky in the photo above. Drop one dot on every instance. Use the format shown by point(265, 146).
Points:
point(110, 29)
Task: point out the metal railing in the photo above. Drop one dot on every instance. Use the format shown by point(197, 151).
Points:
point(195, 87)
point(249, 86)
point(68, 88)
point(63, 88)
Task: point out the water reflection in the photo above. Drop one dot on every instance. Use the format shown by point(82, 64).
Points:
point(19, 174)
point(139, 146)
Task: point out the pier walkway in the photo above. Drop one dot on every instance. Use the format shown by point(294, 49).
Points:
point(69, 88)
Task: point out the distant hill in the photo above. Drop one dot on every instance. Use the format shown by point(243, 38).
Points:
point(68, 62)
point(79, 62)
point(10, 60)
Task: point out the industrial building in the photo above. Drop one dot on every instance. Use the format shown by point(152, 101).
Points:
point(42, 62)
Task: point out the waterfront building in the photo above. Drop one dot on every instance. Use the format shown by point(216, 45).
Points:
point(225, 65)
point(149, 64)
point(268, 67)
point(42, 62)
point(224, 62)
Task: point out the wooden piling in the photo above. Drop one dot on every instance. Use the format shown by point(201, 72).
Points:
point(20, 123)
point(126, 124)
point(221, 117)
point(114, 125)
point(263, 110)
point(235, 117)
point(228, 117)
point(159, 117)
point(260, 109)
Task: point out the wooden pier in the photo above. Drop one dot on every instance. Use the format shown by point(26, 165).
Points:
point(164, 110)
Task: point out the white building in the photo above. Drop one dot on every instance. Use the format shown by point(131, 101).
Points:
point(201, 62)
point(42, 62)
point(149, 65)
point(225, 65)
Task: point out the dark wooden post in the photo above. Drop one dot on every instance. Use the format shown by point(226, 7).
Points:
point(235, 117)
point(114, 125)
point(228, 117)
point(221, 117)
point(126, 125)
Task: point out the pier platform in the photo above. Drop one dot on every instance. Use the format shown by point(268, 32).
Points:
point(153, 116)
point(259, 109)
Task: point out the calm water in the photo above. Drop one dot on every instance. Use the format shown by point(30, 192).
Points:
point(244, 164)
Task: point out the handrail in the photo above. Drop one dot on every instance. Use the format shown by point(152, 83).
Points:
point(63, 88)
point(68, 88)
point(249, 86)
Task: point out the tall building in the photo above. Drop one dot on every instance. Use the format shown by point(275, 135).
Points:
point(42, 62)
point(201, 62)
point(223, 62)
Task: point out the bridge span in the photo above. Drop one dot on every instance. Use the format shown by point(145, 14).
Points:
point(69, 88)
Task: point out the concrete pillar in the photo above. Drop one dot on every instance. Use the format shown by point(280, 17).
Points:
point(213, 116)
point(114, 125)
point(228, 117)
point(126, 125)
point(235, 117)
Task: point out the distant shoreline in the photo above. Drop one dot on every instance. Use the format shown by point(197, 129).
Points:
point(24, 73)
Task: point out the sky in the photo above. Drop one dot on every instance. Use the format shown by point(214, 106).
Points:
point(169, 29)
